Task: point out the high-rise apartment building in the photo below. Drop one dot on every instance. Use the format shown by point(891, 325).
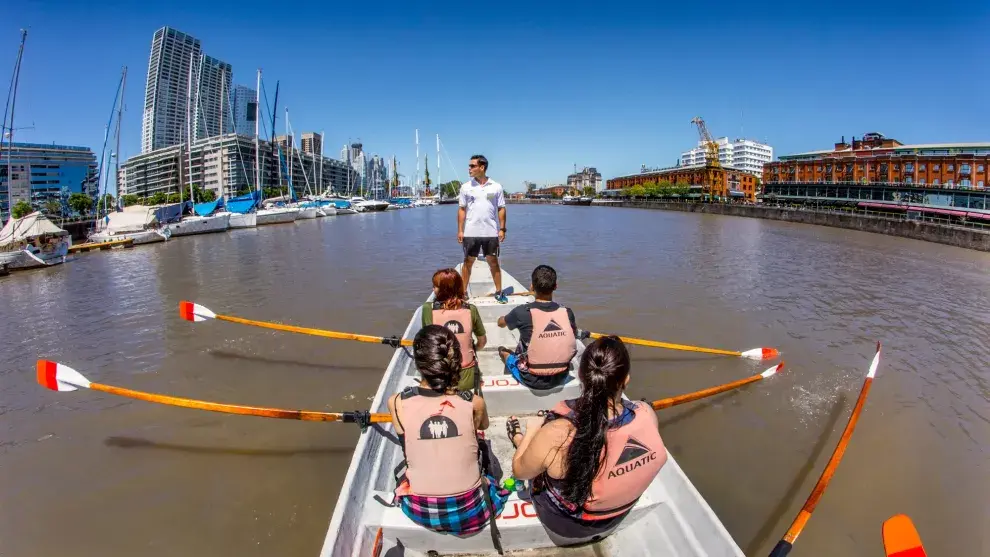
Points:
point(46, 172)
point(211, 93)
point(174, 60)
point(244, 105)
point(312, 143)
point(741, 154)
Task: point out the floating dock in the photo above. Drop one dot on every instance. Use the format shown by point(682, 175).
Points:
point(78, 248)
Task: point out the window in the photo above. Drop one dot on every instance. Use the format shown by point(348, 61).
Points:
point(935, 167)
point(921, 167)
point(980, 184)
point(935, 182)
point(949, 183)
point(909, 180)
point(979, 168)
point(951, 167)
point(963, 169)
point(921, 181)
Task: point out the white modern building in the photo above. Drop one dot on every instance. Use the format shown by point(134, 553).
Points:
point(742, 154)
point(212, 83)
point(175, 56)
point(244, 107)
point(354, 155)
point(225, 164)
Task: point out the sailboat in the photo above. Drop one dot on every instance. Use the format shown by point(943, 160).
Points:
point(270, 214)
point(205, 219)
point(244, 215)
point(32, 240)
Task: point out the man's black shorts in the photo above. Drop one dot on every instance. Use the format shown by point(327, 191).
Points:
point(485, 246)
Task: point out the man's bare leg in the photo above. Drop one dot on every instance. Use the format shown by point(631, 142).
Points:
point(466, 273)
point(496, 271)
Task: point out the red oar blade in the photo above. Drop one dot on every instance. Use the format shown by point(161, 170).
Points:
point(194, 312)
point(771, 371)
point(900, 539)
point(60, 377)
point(760, 353)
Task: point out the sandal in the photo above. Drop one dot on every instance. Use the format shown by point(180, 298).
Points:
point(512, 429)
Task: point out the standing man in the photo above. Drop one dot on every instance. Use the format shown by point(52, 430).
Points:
point(481, 222)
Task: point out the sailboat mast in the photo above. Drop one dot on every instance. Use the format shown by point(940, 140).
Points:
point(288, 157)
point(223, 186)
point(439, 183)
point(257, 143)
point(116, 169)
point(189, 107)
point(322, 137)
point(416, 180)
point(10, 136)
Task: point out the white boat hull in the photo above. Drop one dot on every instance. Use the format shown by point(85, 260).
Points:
point(32, 257)
point(243, 220)
point(200, 225)
point(326, 211)
point(307, 213)
point(140, 238)
point(346, 212)
point(671, 518)
point(277, 215)
point(373, 206)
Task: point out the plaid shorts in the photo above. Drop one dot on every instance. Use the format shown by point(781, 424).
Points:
point(461, 514)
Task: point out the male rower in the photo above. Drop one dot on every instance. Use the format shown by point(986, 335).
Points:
point(481, 223)
point(547, 336)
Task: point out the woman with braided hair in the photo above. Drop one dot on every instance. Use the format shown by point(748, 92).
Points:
point(592, 457)
point(443, 487)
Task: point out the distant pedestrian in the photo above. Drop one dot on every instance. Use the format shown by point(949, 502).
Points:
point(481, 223)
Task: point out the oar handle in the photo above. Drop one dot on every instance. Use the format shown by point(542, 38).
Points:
point(781, 549)
point(704, 393)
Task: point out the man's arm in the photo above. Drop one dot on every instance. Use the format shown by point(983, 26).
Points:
point(461, 214)
point(501, 224)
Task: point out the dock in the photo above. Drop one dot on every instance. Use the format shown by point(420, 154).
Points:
point(78, 248)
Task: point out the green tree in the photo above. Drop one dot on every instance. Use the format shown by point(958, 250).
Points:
point(681, 188)
point(53, 207)
point(588, 191)
point(106, 201)
point(81, 203)
point(637, 191)
point(173, 198)
point(204, 196)
point(130, 199)
point(665, 188)
point(22, 209)
point(159, 198)
point(450, 189)
point(650, 189)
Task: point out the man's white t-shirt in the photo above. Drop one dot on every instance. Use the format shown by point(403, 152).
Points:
point(482, 203)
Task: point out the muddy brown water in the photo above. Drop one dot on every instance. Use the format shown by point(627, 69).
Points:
point(85, 473)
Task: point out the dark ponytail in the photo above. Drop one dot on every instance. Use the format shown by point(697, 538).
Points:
point(603, 372)
point(438, 357)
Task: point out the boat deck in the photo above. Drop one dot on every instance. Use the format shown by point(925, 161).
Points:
point(671, 518)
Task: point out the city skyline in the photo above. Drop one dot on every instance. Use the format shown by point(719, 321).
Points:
point(530, 125)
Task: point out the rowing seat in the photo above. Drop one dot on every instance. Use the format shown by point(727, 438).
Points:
point(518, 526)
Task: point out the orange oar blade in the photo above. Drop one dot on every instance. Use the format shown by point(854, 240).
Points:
point(59, 377)
point(194, 312)
point(900, 539)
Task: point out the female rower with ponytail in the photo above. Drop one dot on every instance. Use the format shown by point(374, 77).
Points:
point(592, 457)
point(443, 487)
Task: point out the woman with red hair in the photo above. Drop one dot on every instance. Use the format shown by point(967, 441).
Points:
point(449, 309)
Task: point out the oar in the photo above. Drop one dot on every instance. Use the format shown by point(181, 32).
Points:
point(754, 354)
point(901, 539)
point(195, 312)
point(783, 547)
point(704, 393)
point(60, 377)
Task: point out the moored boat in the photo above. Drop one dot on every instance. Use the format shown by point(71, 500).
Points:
point(135, 222)
point(671, 518)
point(277, 215)
point(368, 205)
point(576, 200)
point(32, 241)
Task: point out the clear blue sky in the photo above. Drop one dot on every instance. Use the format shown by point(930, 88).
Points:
point(535, 86)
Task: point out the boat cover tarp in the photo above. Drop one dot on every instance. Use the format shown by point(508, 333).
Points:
point(25, 228)
point(133, 218)
point(207, 208)
point(243, 203)
point(168, 213)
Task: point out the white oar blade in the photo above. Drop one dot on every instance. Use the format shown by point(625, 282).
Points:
point(60, 377)
point(194, 312)
point(773, 370)
point(760, 354)
point(875, 363)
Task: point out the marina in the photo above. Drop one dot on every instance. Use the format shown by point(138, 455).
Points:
point(752, 454)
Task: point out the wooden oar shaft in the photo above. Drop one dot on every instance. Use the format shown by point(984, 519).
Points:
point(833, 462)
point(304, 415)
point(683, 347)
point(704, 393)
point(309, 331)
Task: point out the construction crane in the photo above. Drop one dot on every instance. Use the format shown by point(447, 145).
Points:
point(713, 169)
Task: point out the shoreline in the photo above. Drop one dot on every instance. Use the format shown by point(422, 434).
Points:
point(958, 236)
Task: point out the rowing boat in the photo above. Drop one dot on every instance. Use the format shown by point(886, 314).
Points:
point(671, 518)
